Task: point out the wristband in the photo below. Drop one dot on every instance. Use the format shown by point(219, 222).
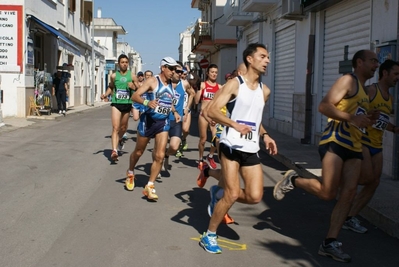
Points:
point(145, 103)
point(263, 135)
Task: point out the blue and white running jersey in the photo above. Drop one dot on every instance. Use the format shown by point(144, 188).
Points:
point(138, 106)
point(178, 100)
point(164, 94)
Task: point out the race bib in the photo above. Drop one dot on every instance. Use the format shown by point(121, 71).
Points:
point(163, 107)
point(382, 122)
point(249, 136)
point(360, 111)
point(121, 94)
point(209, 95)
point(176, 99)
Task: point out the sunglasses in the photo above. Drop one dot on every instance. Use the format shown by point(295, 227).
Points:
point(171, 68)
point(179, 71)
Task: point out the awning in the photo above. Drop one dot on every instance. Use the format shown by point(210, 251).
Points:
point(56, 33)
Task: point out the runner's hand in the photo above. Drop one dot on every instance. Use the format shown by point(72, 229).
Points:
point(361, 121)
point(242, 128)
point(270, 144)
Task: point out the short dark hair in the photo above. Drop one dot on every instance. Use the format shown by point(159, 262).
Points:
point(149, 72)
point(212, 66)
point(359, 54)
point(387, 65)
point(122, 56)
point(250, 50)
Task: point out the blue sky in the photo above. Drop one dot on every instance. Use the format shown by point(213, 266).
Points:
point(153, 26)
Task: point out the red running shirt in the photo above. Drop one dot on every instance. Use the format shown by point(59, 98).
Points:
point(208, 93)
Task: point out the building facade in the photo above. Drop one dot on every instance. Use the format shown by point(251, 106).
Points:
point(311, 43)
point(38, 44)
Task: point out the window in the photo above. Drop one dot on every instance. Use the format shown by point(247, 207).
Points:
point(72, 5)
point(86, 11)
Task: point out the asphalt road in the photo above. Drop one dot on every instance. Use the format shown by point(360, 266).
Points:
point(63, 203)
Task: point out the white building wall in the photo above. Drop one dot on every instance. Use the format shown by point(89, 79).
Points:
point(221, 30)
point(105, 38)
point(13, 84)
point(19, 86)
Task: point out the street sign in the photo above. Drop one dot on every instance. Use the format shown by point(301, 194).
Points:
point(204, 63)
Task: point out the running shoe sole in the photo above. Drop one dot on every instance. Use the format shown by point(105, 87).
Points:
point(277, 186)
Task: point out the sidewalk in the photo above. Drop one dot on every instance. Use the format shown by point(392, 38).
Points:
point(382, 211)
point(13, 123)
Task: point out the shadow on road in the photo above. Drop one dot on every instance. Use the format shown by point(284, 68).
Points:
point(196, 214)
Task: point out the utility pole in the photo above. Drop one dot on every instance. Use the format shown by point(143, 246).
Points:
point(93, 60)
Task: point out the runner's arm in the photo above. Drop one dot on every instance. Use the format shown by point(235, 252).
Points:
point(198, 95)
point(148, 85)
point(110, 87)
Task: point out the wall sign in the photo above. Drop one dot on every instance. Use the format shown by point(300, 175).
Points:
point(11, 24)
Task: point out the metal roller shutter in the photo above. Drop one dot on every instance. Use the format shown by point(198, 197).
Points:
point(347, 23)
point(253, 37)
point(284, 62)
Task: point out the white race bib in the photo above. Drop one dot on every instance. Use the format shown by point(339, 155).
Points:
point(122, 94)
point(382, 122)
point(163, 107)
point(360, 111)
point(249, 137)
point(209, 95)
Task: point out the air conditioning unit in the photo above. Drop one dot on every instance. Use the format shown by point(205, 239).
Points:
point(291, 9)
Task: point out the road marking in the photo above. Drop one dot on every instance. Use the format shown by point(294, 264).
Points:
point(226, 244)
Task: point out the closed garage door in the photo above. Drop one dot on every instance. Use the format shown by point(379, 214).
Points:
point(347, 23)
point(284, 62)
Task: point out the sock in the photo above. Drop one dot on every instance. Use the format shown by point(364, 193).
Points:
point(210, 156)
point(130, 172)
point(219, 193)
point(206, 172)
point(210, 233)
point(329, 240)
point(150, 183)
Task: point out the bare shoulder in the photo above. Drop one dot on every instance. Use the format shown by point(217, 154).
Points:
point(371, 90)
point(265, 89)
point(231, 87)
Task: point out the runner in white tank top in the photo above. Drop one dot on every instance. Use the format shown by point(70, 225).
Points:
point(245, 98)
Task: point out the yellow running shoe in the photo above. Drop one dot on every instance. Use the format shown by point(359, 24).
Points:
point(149, 192)
point(129, 182)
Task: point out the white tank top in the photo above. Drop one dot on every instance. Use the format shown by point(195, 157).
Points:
point(246, 108)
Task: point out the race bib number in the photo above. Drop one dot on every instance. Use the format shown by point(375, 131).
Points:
point(122, 94)
point(185, 97)
point(209, 95)
point(163, 107)
point(382, 122)
point(249, 136)
point(360, 111)
point(176, 99)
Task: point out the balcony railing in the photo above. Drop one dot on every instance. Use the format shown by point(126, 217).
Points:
point(202, 31)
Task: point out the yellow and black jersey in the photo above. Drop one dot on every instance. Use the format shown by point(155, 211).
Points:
point(344, 133)
point(374, 134)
